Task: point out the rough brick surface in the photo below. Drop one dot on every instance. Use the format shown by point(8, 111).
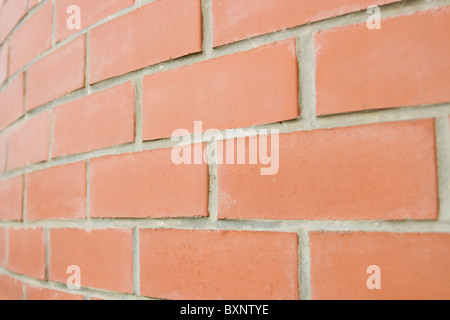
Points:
point(128, 43)
point(104, 257)
point(237, 20)
point(29, 143)
point(11, 102)
point(11, 12)
point(155, 186)
point(3, 244)
point(27, 252)
point(108, 159)
point(35, 293)
point(240, 90)
point(95, 122)
point(57, 74)
point(413, 266)
point(361, 69)
point(11, 198)
point(355, 173)
point(25, 48)
point(10, 289)
point(57, 193)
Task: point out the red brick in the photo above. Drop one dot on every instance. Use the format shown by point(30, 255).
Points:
point(10, 289)
point(57, 193)
point(3, 235)
point(4, 52)
point(240, 90)
point(237, 20)
point(34, 293)
point(405, 63)
point(57, 74)
point(147, 184)
point(187, 264)
point(95, 122)
point(91, 12)
point(10, 14)
point(413, 266)
point(11, 102)
point(3, 150)
point(23, 47)
point(159, 31)
point(26, 252)
point(11, 198)
point(104, 257)
point(380, 171)
point(29, 143)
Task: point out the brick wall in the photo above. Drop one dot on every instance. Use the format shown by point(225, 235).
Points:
point(87, 178)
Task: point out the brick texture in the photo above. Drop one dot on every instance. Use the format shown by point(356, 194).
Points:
point(413, 266)
point(155, 186)
point(179, 264)
point(104, 257)
point(127, 43)
point(237, 20)
point(57, 193)
point(256, 87)
point(222, 149)
point(27, 252)
point(361, 69)
point(356, 173)
point(81, 126)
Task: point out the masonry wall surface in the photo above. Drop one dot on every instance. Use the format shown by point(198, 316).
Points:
point(87, 179)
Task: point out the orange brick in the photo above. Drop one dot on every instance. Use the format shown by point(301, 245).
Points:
point(3, 235)
point(26, 252)
point(34, 293)
point(187, 264)
point(356, 173)
point(104, 257)
point(90, 11)
point(33, 3)
point(3, 150)
point(10, 14)
point(147, 184)
point(11, 102)
point(29, 143)
point(24, 48)
point(405, 63)
point(413, 266)
point(240, 90)
point(4, 52)
point(237, 20)
point(95, 122)
point(11, 191)
point(10, 289)
point(57, 193)
point(159, 31)
point(59, 73)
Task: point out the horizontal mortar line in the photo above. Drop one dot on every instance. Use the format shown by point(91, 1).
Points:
point(400, 226)
point(242, 46)
point(84, 291)
point(291, 126)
